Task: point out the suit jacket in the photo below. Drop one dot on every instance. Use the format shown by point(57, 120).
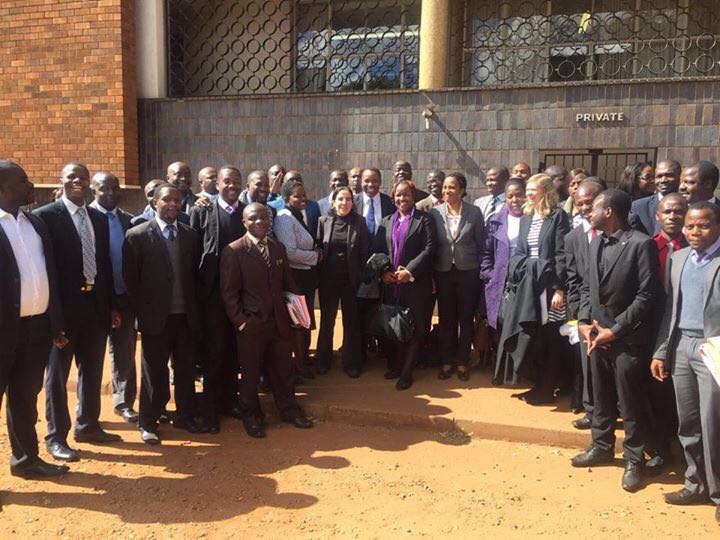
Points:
point(67, 251)
point(494, 257)
point(206, 222)
point(577, 251)
point(188, 202)
point(467, 244)
point(299, 243)
point(10, 286)
point(312, 213)
point(324, 206)
point(417, 257)
point(644, 210)
point(358, 245)
point(667, 337)
point(551, 243)
point(425, 204)
point(252, 292)
point(148, 275)
point(387, 208)
point(623, 297)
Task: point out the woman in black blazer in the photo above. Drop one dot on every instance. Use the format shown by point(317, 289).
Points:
point(459, 227)
point(408, 238)
point(542, 236)
point(343, 238)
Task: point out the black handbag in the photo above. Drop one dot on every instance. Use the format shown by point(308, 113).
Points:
point(393, 321)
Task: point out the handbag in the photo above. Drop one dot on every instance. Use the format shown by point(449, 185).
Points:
point(393, 321)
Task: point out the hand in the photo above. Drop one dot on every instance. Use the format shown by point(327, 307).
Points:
point(657, 369)
point(585, 331)
point(388, 278)
point(602, 339)
point(319, 255)
point(403, 276)
point(276, 185)
point(202, 202)
point(60, 340)
point(115, 319)
point(558, 299)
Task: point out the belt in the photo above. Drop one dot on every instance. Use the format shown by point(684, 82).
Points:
point(87, 287)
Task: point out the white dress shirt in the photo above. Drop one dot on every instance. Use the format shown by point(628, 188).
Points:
point(377, 208)
point(163, 227)
point(30, 258)
point(224, 205)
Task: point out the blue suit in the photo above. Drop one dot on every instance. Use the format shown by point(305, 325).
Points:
point(644, 209)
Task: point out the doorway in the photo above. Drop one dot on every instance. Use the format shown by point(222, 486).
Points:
point(608, 164)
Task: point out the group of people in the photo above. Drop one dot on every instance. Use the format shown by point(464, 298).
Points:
point(606, 294)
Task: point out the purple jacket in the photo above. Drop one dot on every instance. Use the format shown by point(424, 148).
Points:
point(494, 258)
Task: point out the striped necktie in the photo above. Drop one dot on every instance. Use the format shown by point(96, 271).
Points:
point(88, 247)
point(263, 247)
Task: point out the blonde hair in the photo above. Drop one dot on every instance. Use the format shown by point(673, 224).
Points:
point(549, 201)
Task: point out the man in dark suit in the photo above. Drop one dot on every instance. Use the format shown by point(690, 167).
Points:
point(699, 182)
point(82, 258)
point(218, 225)
point(123, 339)
point(616, 304)
point(148, 212)
point(160, 261)
point(179, 175)
point(667, 180)
point(402, 170)
point(692, 316)
point(338, 178)
point(577, 251)
point(254, 276)
point(30, 318)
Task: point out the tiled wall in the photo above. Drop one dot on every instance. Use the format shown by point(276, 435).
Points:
point(472, 130)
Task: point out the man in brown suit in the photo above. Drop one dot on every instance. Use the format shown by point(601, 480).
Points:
point(254, 275)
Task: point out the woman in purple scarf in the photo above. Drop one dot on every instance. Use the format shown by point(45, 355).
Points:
point(408, 237)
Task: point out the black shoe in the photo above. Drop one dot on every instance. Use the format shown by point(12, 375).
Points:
point(97, 436)
point(446, 372)
point(592, 456)
point(353, 373)
point(165, 417)
point(213, 428)
point(538, 398)
point(657, 463)
point(685, 497)
point(632, 477)
point(464, 375)
point(391, 374)
point(127, 414)
point(403, 383)
point(38, 469)
point(583, 423)
point(235, 412)
point(61, 452)
point(576, 409)
point(191, 426)
point(301, 421)
point(254, 428)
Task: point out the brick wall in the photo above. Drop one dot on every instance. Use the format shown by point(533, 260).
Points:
point(67, 86)
point(475, 129)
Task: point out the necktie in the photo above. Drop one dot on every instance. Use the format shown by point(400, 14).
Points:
point(491, 208)
point(370, 218)
point(230, 209)
point(593, 233)
point(172, 232)
point(262, 246)
point(117, 236)
point(666, 276)
point(88, 247)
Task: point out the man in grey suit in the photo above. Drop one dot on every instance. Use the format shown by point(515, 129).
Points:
point(667, 180)
point(699, 182)
point(694, 282)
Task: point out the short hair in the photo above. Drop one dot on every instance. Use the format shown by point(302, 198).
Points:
point(590, 183)
point(437, 172)
point(708, 172)
point(619, 201)
point(288, 187)
point(337, 191)
point(460, 178)
point(229, 168)
point(6, 165)
point(515, 182)
point(597, 180)
point(502, 172)
point(674, 165)
point(164, 185)
point(707, 205)
point(256, 173)
point(410, 183)
point(674, 197)
point(579, 170)
point(374, 170)
point(75, 165)
point(554, 171)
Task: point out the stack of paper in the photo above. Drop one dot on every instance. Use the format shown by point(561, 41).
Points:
point(710, 353)
point(298, 310)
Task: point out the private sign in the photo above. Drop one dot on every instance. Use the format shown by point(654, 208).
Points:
point(600, 117)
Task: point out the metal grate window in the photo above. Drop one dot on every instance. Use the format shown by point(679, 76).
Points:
point(552, 41)
point(225, 47)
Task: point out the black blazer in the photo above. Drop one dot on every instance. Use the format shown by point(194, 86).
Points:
point(357, 247)
point(623, 298)
point(577, 251)
point(67, 252)
point(10, 287)
point(551, 244)
point(644, 210)
point(148, 275)
point(387, 208)
point(206, 222)
point(418, 255)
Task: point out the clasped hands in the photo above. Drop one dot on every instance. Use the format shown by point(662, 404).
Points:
point(596, 336)
point(400, 276)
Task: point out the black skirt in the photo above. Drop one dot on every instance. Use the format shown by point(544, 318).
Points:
point(306, 282)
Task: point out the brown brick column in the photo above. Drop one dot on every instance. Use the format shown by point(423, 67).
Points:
point(67, 89)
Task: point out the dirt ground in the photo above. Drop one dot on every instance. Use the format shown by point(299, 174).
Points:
point(334, 481)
